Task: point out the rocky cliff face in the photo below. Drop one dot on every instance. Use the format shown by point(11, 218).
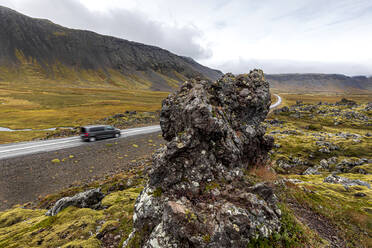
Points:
point(196, 195)
point(53, 48)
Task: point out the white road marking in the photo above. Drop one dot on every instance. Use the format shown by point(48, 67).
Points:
point(48, 144)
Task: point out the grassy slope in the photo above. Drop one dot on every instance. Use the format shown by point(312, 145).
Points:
point(290, 98)
point(66, 107)
point(46, 105)
point(29, 106)
point(31, 97)
point(11, 137)
point(351, 214)
point(75, 227)
point(72, 227)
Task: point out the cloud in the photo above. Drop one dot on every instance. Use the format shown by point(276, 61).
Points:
point(288, 66)
point(123, 23)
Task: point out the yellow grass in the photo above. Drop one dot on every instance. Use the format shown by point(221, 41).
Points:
point(46, 107)
point(11, 137)
point(290, 99)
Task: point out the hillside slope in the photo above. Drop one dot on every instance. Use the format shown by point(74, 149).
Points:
point(37, 49)
point(319, 83)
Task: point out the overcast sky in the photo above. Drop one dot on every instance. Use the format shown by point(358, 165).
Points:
point(279, 36)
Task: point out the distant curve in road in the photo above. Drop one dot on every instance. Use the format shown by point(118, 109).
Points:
point(26, 148)
point(277, 103)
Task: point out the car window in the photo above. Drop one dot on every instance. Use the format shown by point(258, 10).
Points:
point(97, 129)
point(110, 128)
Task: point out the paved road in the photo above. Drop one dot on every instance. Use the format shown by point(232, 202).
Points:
point(25, 148)
point(278, 102)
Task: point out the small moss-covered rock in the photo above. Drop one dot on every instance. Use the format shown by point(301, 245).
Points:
point(315, 127)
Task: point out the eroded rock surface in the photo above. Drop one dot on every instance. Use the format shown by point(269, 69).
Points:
point(88, 199)
point(197, 195)
point(345, 181)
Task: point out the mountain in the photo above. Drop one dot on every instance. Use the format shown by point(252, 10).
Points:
point(37, 49)
point(319, 83)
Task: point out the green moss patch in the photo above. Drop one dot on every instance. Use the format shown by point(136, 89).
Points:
point(75, 227)
point(72, 227)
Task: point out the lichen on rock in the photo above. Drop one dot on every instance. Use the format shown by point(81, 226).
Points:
point(197, 195)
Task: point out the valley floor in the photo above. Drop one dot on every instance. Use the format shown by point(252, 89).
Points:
point(317, 146)
point(46, 105)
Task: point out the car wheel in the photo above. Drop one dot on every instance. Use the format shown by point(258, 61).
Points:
point(92, 139)
point(117, 135)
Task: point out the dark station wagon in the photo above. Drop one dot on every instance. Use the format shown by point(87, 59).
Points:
point(93, 133)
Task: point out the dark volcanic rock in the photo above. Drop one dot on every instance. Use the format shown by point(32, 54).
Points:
point(368, 106)
point(215, 121)
point(345, 181)
point(346, 102)
point(285, 109)
point(197, 195)
point(88, 199)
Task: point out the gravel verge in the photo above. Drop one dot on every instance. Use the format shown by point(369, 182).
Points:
point(25, 179)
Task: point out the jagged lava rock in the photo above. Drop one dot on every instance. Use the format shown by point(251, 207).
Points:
point(212, 128)
point(196, 195)
point(88, 199)
point(345, 181)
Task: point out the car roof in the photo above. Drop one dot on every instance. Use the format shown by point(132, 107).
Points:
point(90, 126)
